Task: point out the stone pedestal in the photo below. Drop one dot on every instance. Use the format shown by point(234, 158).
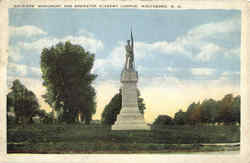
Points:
point(130, 117)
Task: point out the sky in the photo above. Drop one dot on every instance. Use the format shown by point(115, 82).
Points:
point(182, 56)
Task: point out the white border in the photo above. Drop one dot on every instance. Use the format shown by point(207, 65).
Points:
point(145, 158)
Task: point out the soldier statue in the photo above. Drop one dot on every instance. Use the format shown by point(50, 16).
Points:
point(129, 63)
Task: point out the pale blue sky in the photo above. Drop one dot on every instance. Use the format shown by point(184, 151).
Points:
point(149, 26)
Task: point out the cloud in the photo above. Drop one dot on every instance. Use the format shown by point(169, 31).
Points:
point(214, 28)
point(21, 70)
point(14, 53)
point(202, 46)
point(202, 71)
point(199, 43)
point(143, 50)
point(204, 39)
point(227, 73)
point(26, 31)
point(208, 51)
point(233, 52)
point(88, 43)
point(197, 46)
point(171, 69)
point(86, 33)
point(160, 47)
point(201, 39)
point(112, 64)
point(117, 56)
point(14, 69)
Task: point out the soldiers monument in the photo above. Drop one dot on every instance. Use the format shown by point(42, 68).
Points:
point(130, 117)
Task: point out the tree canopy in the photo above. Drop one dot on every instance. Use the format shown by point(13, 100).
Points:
point(180, 117)
point(111, 110)
point(66, 73)
point(163, 120)
point(22, 101)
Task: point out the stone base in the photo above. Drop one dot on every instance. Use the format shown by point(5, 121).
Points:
point(130, 119)
point(130, 127)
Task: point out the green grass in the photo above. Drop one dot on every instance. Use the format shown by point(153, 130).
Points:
point(78, 138)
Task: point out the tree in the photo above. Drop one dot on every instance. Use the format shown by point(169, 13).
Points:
point(23, 101)
point(225, 112)
point(162, 120)
point(180, 117)
point(89, 102)
point(193, 114)
point(236, 109)
point(189, 113)
point(209, 111)
point(113, 108)
point(10, 102)
point(66, 73)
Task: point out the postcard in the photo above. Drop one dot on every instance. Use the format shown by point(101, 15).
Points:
point(140, 81)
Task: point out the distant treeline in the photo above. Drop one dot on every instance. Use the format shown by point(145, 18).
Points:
point(210, 111)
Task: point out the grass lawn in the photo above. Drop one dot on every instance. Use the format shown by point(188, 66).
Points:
point(79, 138)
